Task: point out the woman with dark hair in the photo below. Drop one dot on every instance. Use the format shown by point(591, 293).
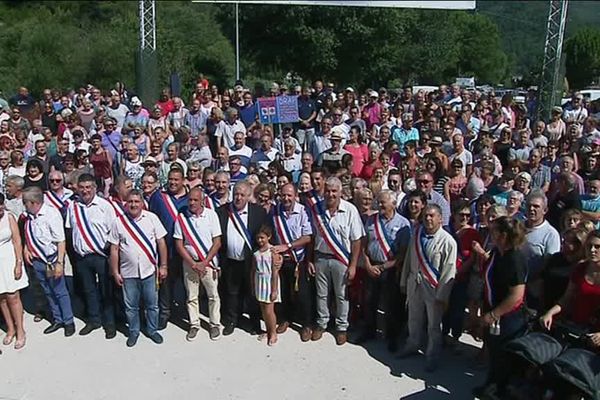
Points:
point(12, 277)
point(415, 204)
point(35, 175)
point(505, 276)
point(434, 166)
point(358, 150)
point(265, 196)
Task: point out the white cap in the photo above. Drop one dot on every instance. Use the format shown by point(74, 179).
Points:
point(373, 93)
point(349, 89)
point(135, 102)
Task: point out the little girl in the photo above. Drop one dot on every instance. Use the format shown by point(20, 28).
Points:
point(265, 280)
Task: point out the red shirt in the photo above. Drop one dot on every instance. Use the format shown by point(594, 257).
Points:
point(586, 300)
point(165, 107)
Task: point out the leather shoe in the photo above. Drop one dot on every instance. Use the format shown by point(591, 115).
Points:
point(281, 328)
point(228, 329)
point(341, 338)
point(156, 338)
point(131, 340)
point(305, 334)
point(53, 328)
point(110, 332)
point(162, 323)
point(317, 334)
point(89, 328)
point(69, 330)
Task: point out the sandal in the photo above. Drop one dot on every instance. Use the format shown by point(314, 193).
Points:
point(8, 339)
point(20, 343)
point(38, 318)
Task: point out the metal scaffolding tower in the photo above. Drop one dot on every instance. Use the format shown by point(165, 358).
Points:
point(550, 89)
point(146, 64)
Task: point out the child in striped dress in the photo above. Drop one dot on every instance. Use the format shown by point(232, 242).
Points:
point(265, 281)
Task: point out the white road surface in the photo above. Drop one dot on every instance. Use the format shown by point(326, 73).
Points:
point(235, 367)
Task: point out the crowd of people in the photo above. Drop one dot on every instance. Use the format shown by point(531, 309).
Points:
point(449, 211)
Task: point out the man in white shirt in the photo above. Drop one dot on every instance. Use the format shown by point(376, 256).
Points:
point(91, 219)
point(198, 240)
point(137, 244)
point(177, 117)
point(461, 154)
point(240, 149)
point(232, 125)
point(45, 250)
point(337, 247)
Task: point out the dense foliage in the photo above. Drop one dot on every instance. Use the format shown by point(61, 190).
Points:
point(66, 43)
point(583, 61)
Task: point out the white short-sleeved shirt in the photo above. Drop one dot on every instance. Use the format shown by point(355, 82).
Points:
point(133, 261)
point(466, 157)
point(47, 229)
point(346, 225)
point(207, 227)
point(235, 241)
point(100, 217)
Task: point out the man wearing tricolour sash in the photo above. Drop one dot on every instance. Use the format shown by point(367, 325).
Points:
point(292, 235)
point(385, 246)
point(167, 205)
point(240, 222)
point(137, 248)
point(197, 237)
point(338, 233)
point(45, 250)
point(427, 278)
point(90, 219)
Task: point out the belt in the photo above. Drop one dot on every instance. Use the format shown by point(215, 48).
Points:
point(324, 255)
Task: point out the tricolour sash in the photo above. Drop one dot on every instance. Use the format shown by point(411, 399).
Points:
point(239, 225)
point(34, 246)
point(321, 222)
point(140, 238)
point(487, 279)
point(85, 229)
point(191, 235)
point(56, 201)
point(383, 239)
point(431, 274)
point(117, 205)
point(283, 232)
point(211, 202)
point(170, 204)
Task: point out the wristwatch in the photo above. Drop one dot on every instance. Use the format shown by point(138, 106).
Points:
point(289, 246)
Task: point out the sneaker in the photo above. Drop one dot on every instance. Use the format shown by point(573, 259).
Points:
point(214, 333)
point(192, 334)
point(156, 338)
point(131, 340)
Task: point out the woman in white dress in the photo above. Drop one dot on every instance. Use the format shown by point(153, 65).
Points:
point(12, 277)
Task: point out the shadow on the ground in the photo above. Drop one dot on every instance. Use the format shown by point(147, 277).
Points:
point(455, 377)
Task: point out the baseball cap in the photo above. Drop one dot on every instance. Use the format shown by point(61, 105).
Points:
point(149, 160)
point(524, 176)
point(336, 136)
point(373, 93)
point(436, 140)
point(136, 102)
point(349, 89)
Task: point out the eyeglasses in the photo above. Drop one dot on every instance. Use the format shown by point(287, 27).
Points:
point(424, 181)
point(463, 215)
point(55, 180)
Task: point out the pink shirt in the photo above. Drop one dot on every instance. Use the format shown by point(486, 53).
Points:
point(360, 155)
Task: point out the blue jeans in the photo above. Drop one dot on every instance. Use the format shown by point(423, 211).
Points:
point(98, 290)
point(56, 293)
point(133, 289)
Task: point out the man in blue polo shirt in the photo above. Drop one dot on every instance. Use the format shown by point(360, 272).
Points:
point(248, 112)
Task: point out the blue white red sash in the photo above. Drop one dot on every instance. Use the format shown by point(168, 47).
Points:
point(117, 205)
point(34, 246)
point(431, 274)
point(211, 202)
point(56, 201)
point(140, 238)
point(191, 235)
point(170, 204)
point(85, 230)
point(383, 239)
point(283, 232)
point(239, 225)
point(321, 222)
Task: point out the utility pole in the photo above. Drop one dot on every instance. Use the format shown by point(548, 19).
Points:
point(550, 88)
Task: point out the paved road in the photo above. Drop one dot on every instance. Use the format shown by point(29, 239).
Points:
point(235, 367)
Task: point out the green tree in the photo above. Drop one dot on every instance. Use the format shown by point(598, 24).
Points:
point(583, 57)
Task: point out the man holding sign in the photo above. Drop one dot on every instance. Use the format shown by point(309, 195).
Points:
point(197, 237)
point(137, 244)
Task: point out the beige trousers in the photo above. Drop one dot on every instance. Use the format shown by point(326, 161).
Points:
point(210, 282)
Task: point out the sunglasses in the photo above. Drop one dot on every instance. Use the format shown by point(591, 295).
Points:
point(56, 180)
